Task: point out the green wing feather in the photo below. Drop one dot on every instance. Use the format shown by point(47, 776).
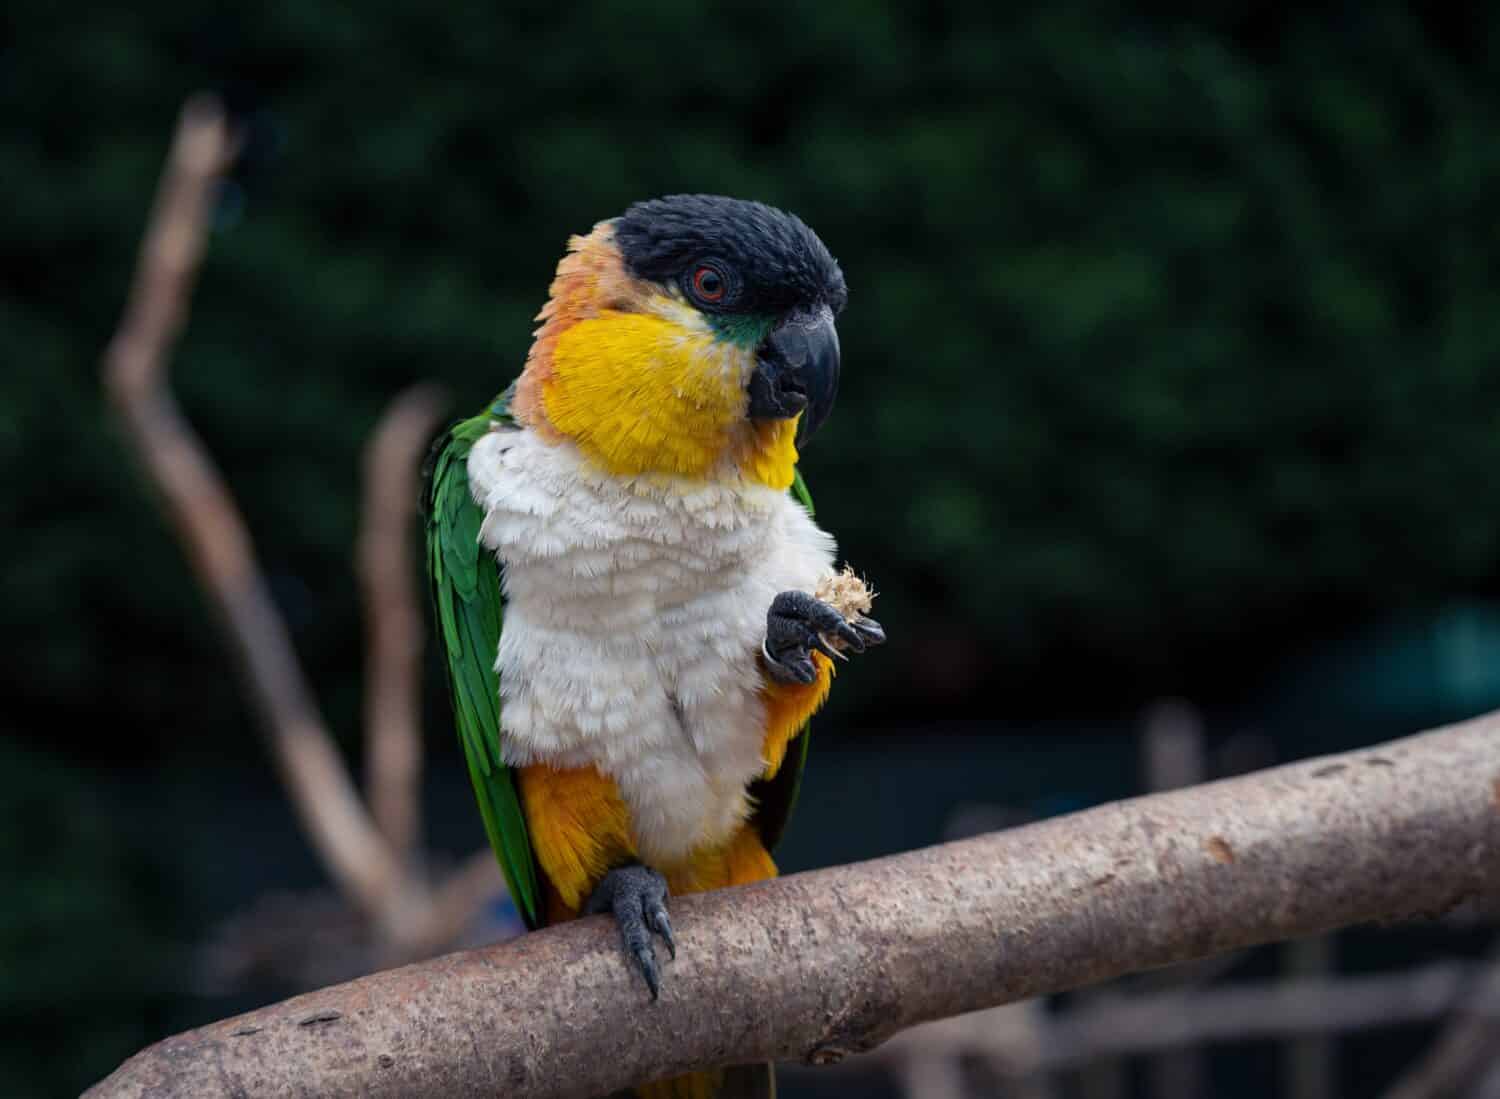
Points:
point(774, 797)
point(468, 608)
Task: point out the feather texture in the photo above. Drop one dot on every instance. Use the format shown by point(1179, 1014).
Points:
point(636, 609)
point(465, 584)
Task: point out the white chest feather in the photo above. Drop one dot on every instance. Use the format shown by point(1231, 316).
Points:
point(635, 610)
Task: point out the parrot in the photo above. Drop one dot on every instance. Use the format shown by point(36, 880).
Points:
point(624, 562)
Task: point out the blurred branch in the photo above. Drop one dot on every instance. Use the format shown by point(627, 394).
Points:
point(821, 965)
point(373, 865)
point(463, 892)
point(1467, 1044)
point(1157, 1022)
point(208, 522)
point(394, 629)
point(1309, 1061)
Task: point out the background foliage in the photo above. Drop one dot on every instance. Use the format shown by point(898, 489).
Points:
point(1170, 348)
point(1167, 340)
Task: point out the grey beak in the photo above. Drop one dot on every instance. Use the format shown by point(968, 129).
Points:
point(798, 371)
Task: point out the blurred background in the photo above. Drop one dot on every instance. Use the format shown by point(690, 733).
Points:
point(1169, 429)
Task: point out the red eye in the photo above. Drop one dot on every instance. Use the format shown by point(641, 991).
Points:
point(708, 283)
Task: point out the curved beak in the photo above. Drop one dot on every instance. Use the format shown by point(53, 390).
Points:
point(797, 370)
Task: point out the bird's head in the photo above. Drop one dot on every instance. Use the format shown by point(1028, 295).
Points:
point(693, 335)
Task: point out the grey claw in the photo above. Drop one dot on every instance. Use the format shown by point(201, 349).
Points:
point(646, 959)
point(825, 648)
point(660, 923)
point(850, 636)
point(636, 896)
point(870, 630)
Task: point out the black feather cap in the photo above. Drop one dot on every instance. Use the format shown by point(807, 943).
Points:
point(775, 260)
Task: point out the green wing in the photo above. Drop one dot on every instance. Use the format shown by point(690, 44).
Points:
point(467, 607)
point(774, 797)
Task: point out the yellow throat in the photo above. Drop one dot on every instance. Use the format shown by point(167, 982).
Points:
point(641, 382)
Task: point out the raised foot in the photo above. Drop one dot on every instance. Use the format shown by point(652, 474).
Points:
point(637, 896)
point(798, 625)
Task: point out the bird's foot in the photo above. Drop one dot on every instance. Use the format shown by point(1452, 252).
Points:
point(798, 625)
point(637, 896)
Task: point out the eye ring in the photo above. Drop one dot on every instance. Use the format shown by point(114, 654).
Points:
point(708, 284)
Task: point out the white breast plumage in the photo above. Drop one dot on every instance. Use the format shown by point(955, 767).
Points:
point(635, 610)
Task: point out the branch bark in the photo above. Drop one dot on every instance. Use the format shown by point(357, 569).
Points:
point(821, 965)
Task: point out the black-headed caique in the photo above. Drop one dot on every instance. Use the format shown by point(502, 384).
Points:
point(630, 512)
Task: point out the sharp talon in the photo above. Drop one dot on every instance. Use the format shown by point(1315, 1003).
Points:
point(821, 644)
point(826, 619)
point(663, 927)
point(872, 631)
point(645, 957)
point(636, 896)
point(851, 637)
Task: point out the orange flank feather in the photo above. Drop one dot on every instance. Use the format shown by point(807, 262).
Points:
point(740, 861)
point(579, 828)
point(788, 707)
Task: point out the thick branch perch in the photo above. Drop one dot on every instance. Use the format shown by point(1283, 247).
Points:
point(820, 965)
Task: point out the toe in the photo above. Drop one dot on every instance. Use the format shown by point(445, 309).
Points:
point(802, 669)
point(658, 921)
point(819, 643)
point(645, 958)
point(636, 936)
point(850, 636)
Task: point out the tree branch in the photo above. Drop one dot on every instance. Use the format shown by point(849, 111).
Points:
point(200, 506)
point(820, 965)
point(393, 618)
point(1246, 1011)
point(1466, 1044)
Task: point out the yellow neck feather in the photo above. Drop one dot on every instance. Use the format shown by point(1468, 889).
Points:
point(638, 379)
point(653, 392)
